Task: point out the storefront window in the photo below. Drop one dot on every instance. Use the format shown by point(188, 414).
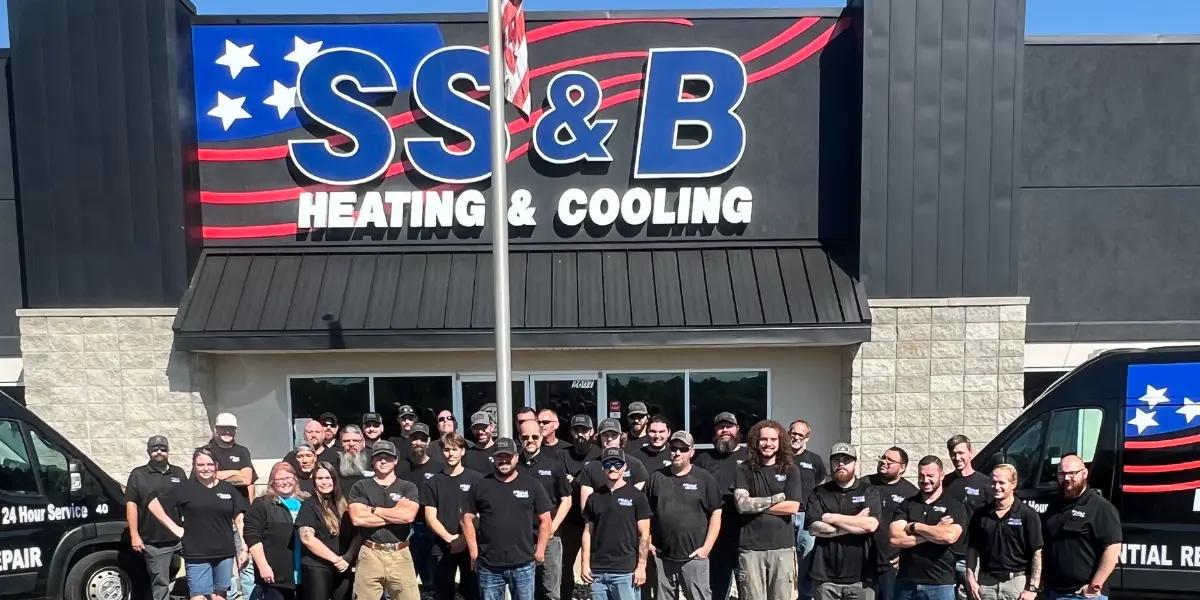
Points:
point(743, 393)
point(427, 394)
point(663, 394)
point(346, 397)
point(566, 397)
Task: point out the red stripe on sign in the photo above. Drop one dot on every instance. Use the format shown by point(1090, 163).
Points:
point(1170, 468)
point(1167, 443)
point(1161, 489)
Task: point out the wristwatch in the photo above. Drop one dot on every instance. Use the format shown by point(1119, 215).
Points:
point(911, 529)
point(1033, 588)
point(373, 509)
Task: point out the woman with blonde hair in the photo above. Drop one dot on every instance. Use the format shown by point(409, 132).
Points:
point(330, 542)
point(271, 534)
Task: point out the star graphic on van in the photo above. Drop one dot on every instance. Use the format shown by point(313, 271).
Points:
point(1155, 396)
point(1190, 410)
point(1143, 420)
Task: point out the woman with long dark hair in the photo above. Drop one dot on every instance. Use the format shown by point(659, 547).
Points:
point(271, 534)
point(329, 539)
point(210, 509)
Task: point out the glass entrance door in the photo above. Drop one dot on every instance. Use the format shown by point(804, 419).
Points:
point(568, 394)
point(476, 391)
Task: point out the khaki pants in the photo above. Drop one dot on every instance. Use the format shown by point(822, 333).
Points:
point(843, 591)
point(767, 574)
point(392, 572)
point(1009, 590)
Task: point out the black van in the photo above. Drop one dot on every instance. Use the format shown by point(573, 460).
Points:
point(1134, 418)
point(62, 519)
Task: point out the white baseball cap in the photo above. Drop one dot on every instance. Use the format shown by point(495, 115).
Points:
point(225, 420)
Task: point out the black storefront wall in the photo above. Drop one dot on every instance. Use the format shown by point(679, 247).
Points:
point(12, 290)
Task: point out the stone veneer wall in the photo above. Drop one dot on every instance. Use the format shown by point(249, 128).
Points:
point(109, 379)
point(935, 368)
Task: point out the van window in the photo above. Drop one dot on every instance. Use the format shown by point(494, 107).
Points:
point(52, 466)
point(16, 474)
point(1025, 450)
point(1073, 430)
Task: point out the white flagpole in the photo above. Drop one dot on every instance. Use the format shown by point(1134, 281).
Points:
point(500, 219)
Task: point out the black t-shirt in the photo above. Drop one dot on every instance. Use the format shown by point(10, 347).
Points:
point(614, 516)
point(507, 512)
point(765, 531)
point(420, 475)
point(973, 490)
point(812, 471)
point(371, 493)
point(723, 468)
point(344, 544)
point(632, 444)
point(682, 506)
point(573, 462)
point(548, 469)
point(447, 494)
point(207, 514)
point(234, 458)
point(593, 475)
point(929, 563)
point(653, 459)
point(1005, 544)
point(479, 460)
point(145, 484)
point(846, 558)
point(1076, 534)
point(890, 496)
point(403, 447)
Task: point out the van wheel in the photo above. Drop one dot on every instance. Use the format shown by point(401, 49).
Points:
point(101, 575)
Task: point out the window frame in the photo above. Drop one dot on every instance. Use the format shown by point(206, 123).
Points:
point(1053, 484)
point(34, 464)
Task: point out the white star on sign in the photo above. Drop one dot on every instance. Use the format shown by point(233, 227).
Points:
point(229, 110)
point(237, 58)
point(1190, 410)
point(303, 52)
point(1143, 420)
point(283, 99)
point(1154, 396)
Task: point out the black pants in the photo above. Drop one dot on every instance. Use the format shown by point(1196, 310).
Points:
point(572, 543)
point(276, 593)
point(443, 577)
point(325, 583)
point(722, 562)
point(885, 585)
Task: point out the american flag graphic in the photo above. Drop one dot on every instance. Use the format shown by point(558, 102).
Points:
point(516, 55)
point(1162, 431)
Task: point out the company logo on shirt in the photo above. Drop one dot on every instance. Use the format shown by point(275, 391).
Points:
point(807, 465)
point(1079, 514)
point(627, 475)
point(395, 497)
point(859, 499)
point(740, 461)
point(544, 472)
point(691, 487)
point(224, 496)
point(666, 463)
point(235, 459)
point(429, 475)
point(522, 494)
point(779, 477)
point(941, 509)
point(1015, 522)
point(972, 491)
point(174, 480)
point(897, 499)
point(625, 501)
point(466, 487)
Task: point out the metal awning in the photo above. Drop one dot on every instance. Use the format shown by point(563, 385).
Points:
point(355, 298)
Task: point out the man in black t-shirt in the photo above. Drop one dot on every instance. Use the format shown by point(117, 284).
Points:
point(333, 434)
point(767, 492)
point(653, 452)
point(842, 514)
point(1004, 544)
point(616, 536)
point(594, 477)
point(372, 429)
point(925, 529)
point(510, 506)
point(1082, 534)
point(442, 497)
point(406, 417)
point(968, 486)
point(546, 465)
point(686, 503)
point(235, 467)
point(722, 462)
point(639, 421)
point(547, 420)
point(421, 466)
point(812, 474)
point(353, 459)
point(580, 452)
point(893, 489)
point(147, 534)
point(382, 508)
point(479, 456)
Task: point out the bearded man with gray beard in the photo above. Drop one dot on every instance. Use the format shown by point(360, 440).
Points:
point(353, 462)
point(722, 462)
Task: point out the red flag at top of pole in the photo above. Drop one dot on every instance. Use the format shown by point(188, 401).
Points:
point(516, 55)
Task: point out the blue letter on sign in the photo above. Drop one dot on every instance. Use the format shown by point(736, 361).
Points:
point(665, 110)
point(373, 144)
point(435, 94)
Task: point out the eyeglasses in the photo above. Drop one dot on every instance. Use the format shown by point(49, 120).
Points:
point(1070, 473)
point(444, 419)
point(531, 438)
point(610, 465)
point(797, 434)
point(887, 461)
point(679, 449)
point(287, 479)
point(158, 449)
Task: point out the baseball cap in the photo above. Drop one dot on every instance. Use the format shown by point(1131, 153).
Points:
point(407, 410)
point(725, 417)
point(610, 425)
point(504, 446)
point(842, 448)
point(383, 447)
point(683, 436)
point(157, 441)
point(581, 421)
point(637, 408)
point(481, 418)
point(420, 428)
point(225, 420)
point(304, 448)
point(372, 418)
point(612, 454)
point(327, 418)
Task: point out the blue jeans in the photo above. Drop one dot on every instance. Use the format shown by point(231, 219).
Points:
point(421, 545)
point(1052, 595)
point(804, 547)
point(613, 586)
point(518, 580)
point(208, 577)
point(907, 590)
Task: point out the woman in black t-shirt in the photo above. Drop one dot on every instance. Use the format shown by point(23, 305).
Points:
point(211, 510)
point(330, 541)
point(271, 535)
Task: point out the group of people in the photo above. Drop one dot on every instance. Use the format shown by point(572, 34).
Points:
point(349, 514)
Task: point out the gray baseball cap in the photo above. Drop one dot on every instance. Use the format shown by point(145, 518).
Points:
point(725, 417)
point(683, 436)
point(419, 427)
point(637, 408)
point(481, 418)
point(609, 425)
point(156, 441)
point(843, 448)
point(505, 446)
point(581, 421)
point(383, 447)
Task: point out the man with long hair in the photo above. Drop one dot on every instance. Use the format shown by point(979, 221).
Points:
point(353, 463)
point(442, 498)
point(722, 461)
point(767, 494)
point(330, 544)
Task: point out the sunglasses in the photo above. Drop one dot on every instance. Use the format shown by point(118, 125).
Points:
point(610, 465)
point(158, 449)
point(329, 424)
point(531, 438)
point(444, 419)
point(545, 422)
point(679, 449)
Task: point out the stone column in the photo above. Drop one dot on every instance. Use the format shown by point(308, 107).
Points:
point(108, 379)
point(935, 368)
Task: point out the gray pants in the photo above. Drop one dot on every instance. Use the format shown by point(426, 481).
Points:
point(549, 573)
point(689, 576)
point(158, 566)
point(767, 574)
point(842, 591)
point(1009, 590)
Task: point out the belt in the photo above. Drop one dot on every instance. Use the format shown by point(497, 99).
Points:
point(989, 578)
point(381, 547)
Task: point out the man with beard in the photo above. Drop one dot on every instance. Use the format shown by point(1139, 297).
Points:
point(421, 469)
point(842, 514)
point(812, 474)
point(686, 504)
point(1004, 544)
point(503, 546)
point(479, 457)
point(548, 424)
point(1082, 535)
point(594, 476)
point(639, 422)
point(147, 535)
point(382, 507)
point(304, 461)
point(547, 467)
point(722, 461)
point(970, 487)
point(893, 489)
point(235, 467)
point(925, 529)
point(767, 494)
point(654, 453)
point(443, 498)
point(581, 451)
point(353, 462)
point(406, 417)
point(372, 429)
point(332, 439)
point(616, 537)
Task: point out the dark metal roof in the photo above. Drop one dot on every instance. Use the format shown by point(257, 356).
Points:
point(380, 298)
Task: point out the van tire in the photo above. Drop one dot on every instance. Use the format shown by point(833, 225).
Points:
point(103, 575)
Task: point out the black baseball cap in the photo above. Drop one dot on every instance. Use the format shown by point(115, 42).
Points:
point(505, 446)
point(419, 428)
point(372, 418)
point(383, 447)
point(608, 425)
point(406, 410)
point(612, 454)
point(327, 418)
point(157, 441)
point(581, 421)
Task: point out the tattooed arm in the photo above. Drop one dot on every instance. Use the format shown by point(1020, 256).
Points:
point(748, 505)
